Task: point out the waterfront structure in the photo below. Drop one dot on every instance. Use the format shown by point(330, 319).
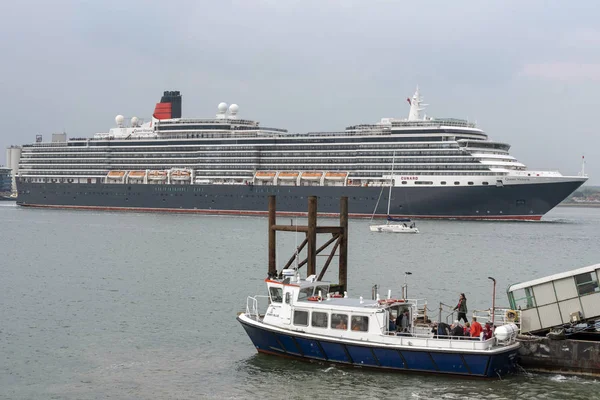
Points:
point(444, 168)
point(5, 182)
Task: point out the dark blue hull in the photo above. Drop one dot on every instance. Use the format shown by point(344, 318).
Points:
point(404, 360)
point(512, 202)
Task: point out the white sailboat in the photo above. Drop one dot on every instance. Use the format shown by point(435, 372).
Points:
point(393, 225)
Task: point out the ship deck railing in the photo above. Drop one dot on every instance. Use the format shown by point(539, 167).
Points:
point(500, 316)
point(252, 306)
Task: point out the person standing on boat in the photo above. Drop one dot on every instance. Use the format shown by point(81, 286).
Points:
point(462, 308)
point(476, 328)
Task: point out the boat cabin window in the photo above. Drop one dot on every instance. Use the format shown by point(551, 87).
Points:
point(324, 289)
point(305, 293)
point(522, 299)
point(301, 318)
point(288, 297)
point(339, 321)
point(318, 319)
point(586, 283)
point(360, 323)
point(276, 294)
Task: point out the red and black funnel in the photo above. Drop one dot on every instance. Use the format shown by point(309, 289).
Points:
point(169, 106)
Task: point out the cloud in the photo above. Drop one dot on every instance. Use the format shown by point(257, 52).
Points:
point(562, 71)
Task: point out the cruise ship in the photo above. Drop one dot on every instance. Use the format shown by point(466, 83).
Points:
point(443, 168)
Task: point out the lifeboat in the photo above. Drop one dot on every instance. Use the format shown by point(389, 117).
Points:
point(336, 176)
point(157, 175)
point(137, 174)
point(288, 175)
point(116, 174)
point(181, 175)
point(312, 175)
point(265, 175)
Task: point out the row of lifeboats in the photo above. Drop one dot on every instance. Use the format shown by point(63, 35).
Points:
point(306, 175)
point(152, 175)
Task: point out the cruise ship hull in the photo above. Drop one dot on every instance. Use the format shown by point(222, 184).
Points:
point(509, 202)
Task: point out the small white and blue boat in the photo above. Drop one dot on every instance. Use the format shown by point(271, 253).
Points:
point(304, 320)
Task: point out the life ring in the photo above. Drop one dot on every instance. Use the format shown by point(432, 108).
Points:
point(390, 301)
point(314, 298)
point(349, 181)
point(511, 315)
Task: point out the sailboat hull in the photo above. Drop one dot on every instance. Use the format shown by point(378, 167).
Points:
point(393, 228)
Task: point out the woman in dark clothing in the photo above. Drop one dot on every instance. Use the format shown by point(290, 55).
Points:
point(462, 308)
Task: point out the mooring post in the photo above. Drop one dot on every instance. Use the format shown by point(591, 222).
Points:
point(343, 259)
point(311, 235)
point(272, 236)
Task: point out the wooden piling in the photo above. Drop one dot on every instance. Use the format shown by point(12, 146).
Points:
point(343, 257)
point(311, 235)
point(272, 237)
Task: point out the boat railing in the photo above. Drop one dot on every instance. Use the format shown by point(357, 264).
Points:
point(252, 306)
point(499, 316)
point(446, 313)
point(444, 341)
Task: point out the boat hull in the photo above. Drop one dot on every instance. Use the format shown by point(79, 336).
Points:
point(392, 228)
point(353, 353)
point(510, 202)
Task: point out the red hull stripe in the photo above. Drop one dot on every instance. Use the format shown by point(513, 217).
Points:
point(531, 217)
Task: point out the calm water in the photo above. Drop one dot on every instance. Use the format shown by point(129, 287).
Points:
point(102, 305)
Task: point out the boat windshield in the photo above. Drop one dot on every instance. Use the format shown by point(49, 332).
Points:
point(276, 294)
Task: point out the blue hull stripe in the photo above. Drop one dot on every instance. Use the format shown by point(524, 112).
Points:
point(481, 365)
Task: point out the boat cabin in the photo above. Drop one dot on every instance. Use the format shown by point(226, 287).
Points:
point(308, 306)
point(557, 299)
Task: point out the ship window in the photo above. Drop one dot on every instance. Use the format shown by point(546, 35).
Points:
point(360, 323)
point(323, 289)
point(404, 182)
point(470, 183)
point(457, 183)
point(305, 293)
point(443, 182)
point(423, 183)
point(301, 318)
point(339, 321)
point(276, 294)
point(319, 319)
point(522, 299)
point(484, 183)
point(586, 283)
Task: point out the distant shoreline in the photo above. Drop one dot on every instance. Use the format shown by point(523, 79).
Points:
point(583, 205)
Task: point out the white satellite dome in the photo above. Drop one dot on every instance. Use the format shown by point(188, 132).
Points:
point(233, 109)
point(222, 107)
point(134, 121)
point(119, 119)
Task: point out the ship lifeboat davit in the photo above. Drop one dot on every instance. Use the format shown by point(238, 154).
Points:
point(181, 175)
point(336, 176)
point(288, 175)
point(116, 174)
point(157, 175)
point(137, 174)
point(265, 175)
point(312, 175)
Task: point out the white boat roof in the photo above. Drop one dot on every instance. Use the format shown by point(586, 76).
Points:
point(554, 277)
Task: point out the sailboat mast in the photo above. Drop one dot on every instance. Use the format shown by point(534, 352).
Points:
point(391, 183)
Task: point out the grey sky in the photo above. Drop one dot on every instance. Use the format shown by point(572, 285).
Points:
point(527, 71)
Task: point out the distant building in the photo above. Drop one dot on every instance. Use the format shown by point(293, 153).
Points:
point(5, 181)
